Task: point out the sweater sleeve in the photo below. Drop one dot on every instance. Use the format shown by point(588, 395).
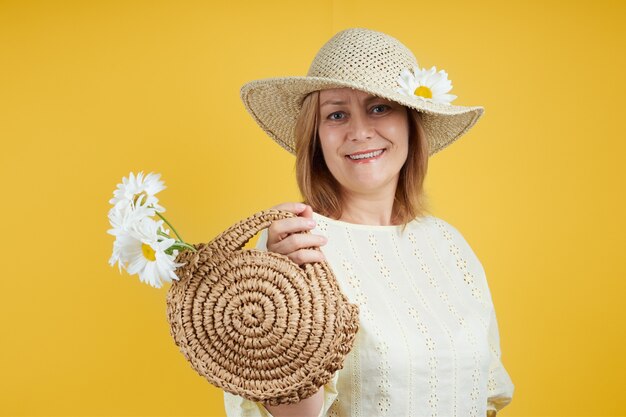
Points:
point(237, 406)
point(500, 387)
point(261, 244)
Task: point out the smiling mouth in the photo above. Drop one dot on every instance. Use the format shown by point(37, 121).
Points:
point(365, 155)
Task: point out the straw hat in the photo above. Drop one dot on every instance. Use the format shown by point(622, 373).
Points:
point(365, 60)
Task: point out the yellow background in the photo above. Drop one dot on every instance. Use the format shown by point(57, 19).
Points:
point(92, 90)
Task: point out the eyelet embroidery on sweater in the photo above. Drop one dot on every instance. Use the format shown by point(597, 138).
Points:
point(433, 362)
point(322, 226)
point(468, 277)
point(475, 393)
point(361, 300)
point(492, 384)
point(384, 403)
point(382, 347)
point(384, 271)
point(425, 268)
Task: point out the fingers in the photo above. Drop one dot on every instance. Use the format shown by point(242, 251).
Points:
point(305, 256)
point(285, 235)
point(298, 241)
point(299, 247)
point(295, 208)
point(307, 212)
point(280, 229)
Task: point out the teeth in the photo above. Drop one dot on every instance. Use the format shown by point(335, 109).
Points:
point(366, 155)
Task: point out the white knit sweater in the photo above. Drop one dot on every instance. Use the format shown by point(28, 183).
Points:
point(428, 341)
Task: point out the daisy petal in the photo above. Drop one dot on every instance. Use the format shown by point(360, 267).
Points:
point(435, 82)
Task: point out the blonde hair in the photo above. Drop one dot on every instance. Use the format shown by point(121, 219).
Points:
point(322, 191)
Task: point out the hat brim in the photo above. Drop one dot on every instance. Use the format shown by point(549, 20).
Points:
point(275, 103)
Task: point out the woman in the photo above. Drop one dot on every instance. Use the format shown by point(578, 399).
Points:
point(362, 126)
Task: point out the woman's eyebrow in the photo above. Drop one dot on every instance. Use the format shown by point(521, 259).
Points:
point(331, 101)
point(340, 102)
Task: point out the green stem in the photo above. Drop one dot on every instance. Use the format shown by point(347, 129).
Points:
point(168, 223)
point(184, 245)
point(172, 248)
point(178, 244)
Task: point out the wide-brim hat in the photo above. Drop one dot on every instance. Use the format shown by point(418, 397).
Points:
point(365, 60)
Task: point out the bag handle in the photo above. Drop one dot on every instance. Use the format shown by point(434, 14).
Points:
point(235, 237)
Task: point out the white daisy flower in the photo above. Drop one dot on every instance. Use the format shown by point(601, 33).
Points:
point(142, 246)
point(141, 250)
point(116, 256)
point(123, 217)
point(139, 191)
point(428, 84)
point(122, 220)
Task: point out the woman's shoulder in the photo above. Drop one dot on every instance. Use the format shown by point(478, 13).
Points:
point(450, 236)
point(445, 228)
point(437, 221)
point(443, 232)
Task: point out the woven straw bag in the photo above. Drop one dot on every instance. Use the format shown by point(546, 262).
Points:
point(256, 324)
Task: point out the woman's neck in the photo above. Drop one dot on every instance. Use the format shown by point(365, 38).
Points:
point(375, 210)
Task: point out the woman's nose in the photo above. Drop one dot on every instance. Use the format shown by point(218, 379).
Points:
point(361, 127)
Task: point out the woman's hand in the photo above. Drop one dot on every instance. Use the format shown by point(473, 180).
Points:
point(311, 406)
point(308, 407)
point(283, 238)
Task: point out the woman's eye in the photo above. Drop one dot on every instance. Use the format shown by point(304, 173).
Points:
point(381, 107)
point(332, 116)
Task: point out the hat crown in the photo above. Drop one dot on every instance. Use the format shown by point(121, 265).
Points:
point(363, 56)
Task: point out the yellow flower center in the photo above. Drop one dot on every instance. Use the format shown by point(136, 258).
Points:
point(148, 252)
point(423, 91)
point(138, 195)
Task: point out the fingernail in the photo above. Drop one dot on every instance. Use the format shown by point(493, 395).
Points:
point(300, 207)
point(311, 223)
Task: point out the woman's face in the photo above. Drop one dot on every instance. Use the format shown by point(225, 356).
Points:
point(364, 139)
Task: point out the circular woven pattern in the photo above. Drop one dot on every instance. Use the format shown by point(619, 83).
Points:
point(362, 59)
point(254, 323)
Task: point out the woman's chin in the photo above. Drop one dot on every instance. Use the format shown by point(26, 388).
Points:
point(371, 185)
